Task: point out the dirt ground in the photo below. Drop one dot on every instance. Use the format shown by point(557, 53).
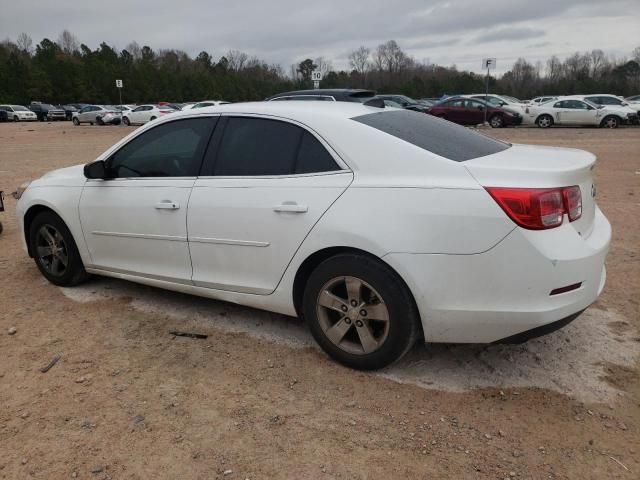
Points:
point(258, 400)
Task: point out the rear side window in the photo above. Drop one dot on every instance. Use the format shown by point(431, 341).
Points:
point(261, 147)
point(433, 134)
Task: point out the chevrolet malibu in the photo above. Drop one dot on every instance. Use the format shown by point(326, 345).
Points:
point(378, 226)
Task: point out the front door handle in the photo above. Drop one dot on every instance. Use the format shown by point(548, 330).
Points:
point(290, 207)
point(167, 205)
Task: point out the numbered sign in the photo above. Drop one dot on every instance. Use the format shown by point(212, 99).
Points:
point(119, 83)
point(488, 63)
point(316, 76)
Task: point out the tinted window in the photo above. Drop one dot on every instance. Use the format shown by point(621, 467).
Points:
point(169, 150)
point(313, 157)
point(434, 135)
point(254, 146)
point(455, 103)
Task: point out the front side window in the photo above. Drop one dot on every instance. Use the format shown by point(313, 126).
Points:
point(172, 149)
point(261, 147)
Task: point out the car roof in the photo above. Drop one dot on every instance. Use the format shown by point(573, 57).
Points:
point(339, 92)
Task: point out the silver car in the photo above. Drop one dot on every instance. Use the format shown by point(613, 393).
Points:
point(96, 114)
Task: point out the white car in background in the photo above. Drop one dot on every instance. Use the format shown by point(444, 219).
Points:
point(206, 103)
point(18, 113)
point(504, 101)
point(633, 100)
point(613, 102)
point(145, 113)
point(572, 111)
point(98, 114)
point(298, 210)
point(540, 100)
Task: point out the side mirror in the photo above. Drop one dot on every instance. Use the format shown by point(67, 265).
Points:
point(96, 170)
point(480, 107)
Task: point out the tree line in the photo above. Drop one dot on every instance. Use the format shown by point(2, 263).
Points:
point(66, 71)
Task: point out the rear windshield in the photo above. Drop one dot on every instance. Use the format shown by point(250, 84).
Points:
point(362, 96)
point(433, 134)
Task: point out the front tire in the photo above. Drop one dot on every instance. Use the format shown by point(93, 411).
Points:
point(54, 251)
point(76, 122)
point(126, 121)
point(99, 121)
point(610, 122)
point(496, 121)
point(544, 121)
point(360, 312)
point(45, 118)
point(16, 119)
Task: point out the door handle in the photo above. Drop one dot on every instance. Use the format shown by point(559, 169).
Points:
point(167, 205)
point(290, 207)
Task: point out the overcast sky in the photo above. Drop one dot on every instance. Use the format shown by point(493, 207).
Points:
point(459, 32)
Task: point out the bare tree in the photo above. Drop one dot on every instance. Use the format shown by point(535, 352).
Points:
point(24, 43)
point(68, 41)
point(134, 49)
point(359, 60)
point(237, 59)
point(635, 54)
point(390, 57)
point(323, 66)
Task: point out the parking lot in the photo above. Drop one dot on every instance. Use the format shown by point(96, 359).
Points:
point(256, 399)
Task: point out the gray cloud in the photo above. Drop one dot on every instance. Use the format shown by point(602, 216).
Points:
point(287, 31)
point(509, 34)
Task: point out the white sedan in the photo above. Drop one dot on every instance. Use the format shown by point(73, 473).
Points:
point(205, 103)
point(18, 113)
point(145, 113)
point(574, 112)
point(378, 226)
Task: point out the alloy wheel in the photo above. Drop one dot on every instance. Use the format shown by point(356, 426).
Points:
point(353, 315)
point(51, 250)
point(611, 122)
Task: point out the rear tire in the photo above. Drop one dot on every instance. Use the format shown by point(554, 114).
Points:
point(45, 118)
point(360, 311)
point(126, 121)
point(54, 251)
point(99, 121)
point(544, 121)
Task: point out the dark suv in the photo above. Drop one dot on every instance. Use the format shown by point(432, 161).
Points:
point(326, 95)
point(46, 112)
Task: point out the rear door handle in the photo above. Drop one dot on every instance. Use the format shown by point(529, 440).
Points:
point(167, 205)
point(291, 208)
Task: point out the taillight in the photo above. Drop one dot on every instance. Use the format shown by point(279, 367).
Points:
point(165, 111)
point(539, 208)
point(573, 202)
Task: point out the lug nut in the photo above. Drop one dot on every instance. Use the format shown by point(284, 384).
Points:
point(359, 323)
point(347, 320)
point(344, 308)
point(354, 303)
point(363, 313)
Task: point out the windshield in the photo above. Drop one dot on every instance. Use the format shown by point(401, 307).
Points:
point(19, 108)
point(406, 99)
point(46, 106)
point(362, 96)
point(591, 104)
point(511, 99)
point(434, 135)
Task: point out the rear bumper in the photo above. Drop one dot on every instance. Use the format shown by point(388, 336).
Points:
point(505, 291)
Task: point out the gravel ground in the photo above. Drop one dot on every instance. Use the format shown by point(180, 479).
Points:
point(257, 399)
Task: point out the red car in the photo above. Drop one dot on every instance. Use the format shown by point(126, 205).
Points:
point(470, 111)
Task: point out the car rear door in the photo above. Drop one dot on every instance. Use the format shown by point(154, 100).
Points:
point(474, 112)
point(264, 185)
point(136, 222)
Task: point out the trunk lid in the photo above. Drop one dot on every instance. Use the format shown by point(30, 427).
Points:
point(529, 166)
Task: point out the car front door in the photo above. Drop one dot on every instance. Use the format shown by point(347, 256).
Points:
point(136, 222)
point(262, 190)
point(576, 112)
point(136, 115)
point(474, 112)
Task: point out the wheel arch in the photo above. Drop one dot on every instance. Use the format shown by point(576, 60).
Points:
point(316, 258)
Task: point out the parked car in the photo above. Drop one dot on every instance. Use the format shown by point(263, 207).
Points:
point(18, 113)
point(327, 95)
point(405, 102)
point(572, 111)
point(69, 110)
point(145, 113)
point(614, 103)
point(633, 99)
point(511, 103)
point(208, 103)
point(471, 111)
point(46, 112)
point(98, 114)
point(483, 255)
